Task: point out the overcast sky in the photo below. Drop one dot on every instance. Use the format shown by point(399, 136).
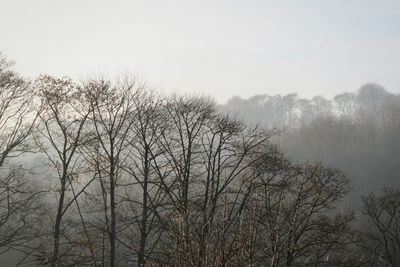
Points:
point(219, 48)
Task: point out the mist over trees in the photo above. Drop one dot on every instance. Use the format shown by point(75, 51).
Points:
point(111, 173)
point(355, 132)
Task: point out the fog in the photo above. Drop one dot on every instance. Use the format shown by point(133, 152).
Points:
point(111, 172)
point(355, 132)
point(218, 48)
point(199, 133)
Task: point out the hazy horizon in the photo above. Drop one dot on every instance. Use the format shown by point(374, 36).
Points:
point(221, 49)
point(200, 133)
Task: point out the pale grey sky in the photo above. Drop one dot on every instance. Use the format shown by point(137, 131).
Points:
point(219, 48)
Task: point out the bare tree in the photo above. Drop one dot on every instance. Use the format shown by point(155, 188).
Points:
point(21, 211)
point(16, 116)
point(144, 194)
point(383, 232)
point(186, 120)
point(17, 119)
point(59, 136)
point(112, 111)
point(294, 216)
point(211, 158)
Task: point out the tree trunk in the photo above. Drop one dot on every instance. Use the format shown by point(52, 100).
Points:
point(57, 226)
point(113, 218)
point(143, 230)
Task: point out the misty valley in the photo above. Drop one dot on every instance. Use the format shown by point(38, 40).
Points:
point(109, 172)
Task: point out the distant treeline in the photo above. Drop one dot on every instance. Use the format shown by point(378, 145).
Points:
point(110, 173)
point(358, 133)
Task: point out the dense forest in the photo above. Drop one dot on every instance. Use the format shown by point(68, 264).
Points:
point(107, 172)
point(358, 133)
